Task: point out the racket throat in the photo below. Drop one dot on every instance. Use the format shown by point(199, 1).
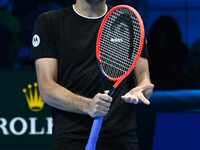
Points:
point(111, 91)
point(114, 87)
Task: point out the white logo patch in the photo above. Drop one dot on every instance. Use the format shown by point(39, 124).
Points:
point(116, 40)
point(36, 40)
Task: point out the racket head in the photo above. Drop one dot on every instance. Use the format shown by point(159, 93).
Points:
point(116, 54)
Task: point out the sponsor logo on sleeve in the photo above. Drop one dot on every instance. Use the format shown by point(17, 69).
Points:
point(36, 40)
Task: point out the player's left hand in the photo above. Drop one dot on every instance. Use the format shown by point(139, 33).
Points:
point(137, 94)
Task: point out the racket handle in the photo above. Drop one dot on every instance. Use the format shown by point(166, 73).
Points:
point(96, 126)
point(91, 145)
point(111, 91)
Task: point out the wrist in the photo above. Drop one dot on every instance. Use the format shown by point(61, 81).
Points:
point(86, 105)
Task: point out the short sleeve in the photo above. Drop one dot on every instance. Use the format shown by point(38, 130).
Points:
point(43, 39)
point(145, 53)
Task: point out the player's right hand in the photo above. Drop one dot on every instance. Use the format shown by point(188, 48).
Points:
point(99, 105)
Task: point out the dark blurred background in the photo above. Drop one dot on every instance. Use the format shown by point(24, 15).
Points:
point(172, 29)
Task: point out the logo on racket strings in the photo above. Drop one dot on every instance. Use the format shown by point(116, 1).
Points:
point(116, 40)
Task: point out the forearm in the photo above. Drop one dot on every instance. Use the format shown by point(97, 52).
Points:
point(142, 75)
point(59, 97)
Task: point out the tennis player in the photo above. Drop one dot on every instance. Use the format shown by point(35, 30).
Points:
point(63, 48)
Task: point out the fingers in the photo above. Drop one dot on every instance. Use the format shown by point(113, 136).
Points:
point(136, 95)
point(106, 91)
point(100, 105)
point(135, 99)
point(99, 111)
point(132, 99)
point(144, 100)
point(104, 97)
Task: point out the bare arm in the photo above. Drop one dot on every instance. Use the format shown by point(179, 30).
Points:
point(144, 87)
point(59, 97)
point(142, 75)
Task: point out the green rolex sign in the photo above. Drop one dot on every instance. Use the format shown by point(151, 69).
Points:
point(25, 121)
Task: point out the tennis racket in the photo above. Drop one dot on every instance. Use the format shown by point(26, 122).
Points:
point(119, 45)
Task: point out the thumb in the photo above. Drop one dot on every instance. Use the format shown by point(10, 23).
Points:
point(147, 87)
point(106, 91)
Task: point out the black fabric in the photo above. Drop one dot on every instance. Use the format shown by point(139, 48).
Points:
point(71, 39)
point(69, 144)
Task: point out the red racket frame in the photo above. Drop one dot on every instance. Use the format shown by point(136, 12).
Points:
point(142, 34)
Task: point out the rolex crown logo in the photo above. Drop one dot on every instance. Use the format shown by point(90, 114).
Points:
point(34, 100)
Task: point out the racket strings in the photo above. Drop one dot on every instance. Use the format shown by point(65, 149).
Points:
point(119, 42)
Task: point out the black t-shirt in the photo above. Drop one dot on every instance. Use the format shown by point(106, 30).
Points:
point(71, 39)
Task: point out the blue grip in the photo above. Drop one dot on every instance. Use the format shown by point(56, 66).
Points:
point(91, 145)
point(96, 126)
